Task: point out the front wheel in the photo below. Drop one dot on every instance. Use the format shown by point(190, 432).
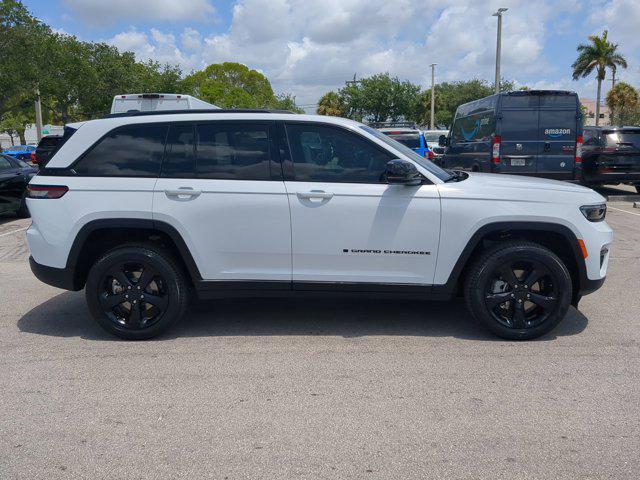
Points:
point(519, 290)
point(136, 292)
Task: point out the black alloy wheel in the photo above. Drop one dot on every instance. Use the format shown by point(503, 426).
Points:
point(137, 292)
point(518, 289)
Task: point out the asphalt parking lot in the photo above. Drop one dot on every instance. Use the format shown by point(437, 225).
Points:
point(280, 389)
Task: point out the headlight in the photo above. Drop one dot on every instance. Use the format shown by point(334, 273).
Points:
point(594, 213)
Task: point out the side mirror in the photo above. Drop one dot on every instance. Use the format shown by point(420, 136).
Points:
point(402, 172)
point(443, 141)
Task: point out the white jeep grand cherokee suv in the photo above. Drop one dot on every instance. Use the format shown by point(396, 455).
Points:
point(144, 210)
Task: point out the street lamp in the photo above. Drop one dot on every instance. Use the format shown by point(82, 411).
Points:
point(499, 15)
point(433, 95)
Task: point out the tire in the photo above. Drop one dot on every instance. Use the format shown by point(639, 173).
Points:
point(23, 211)
point(137, 292)
point(526, 303)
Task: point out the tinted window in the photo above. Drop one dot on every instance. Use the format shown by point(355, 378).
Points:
point(411, 141)
point(131, 151)
point(623, 139)
point(4, 164)
point(327, 154)
point(233, 151)
point(180, 158)
point(20, 164)
point(590, 137)
point(519, 125)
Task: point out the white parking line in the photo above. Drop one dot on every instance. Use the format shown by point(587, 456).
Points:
point(13, 231)
point(625, 211)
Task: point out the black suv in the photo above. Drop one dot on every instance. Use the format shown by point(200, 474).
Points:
point(611, 155)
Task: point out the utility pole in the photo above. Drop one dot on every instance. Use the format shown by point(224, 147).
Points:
point(498, 46)
point(352, 82)
point(432, 125)
point(38, 106)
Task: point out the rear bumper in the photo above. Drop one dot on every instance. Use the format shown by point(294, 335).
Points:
point(612, 177)
point(57, 277)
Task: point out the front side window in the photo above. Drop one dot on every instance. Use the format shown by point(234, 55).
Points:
point(130, 151)
point(328, 154)
point(233, 151)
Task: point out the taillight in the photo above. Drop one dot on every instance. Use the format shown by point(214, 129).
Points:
point(579, 150)
point(33, 157)
point(429, 154)
point(46, 191)
point(495, 154)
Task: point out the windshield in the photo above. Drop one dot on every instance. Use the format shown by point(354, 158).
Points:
point(423, 162)
point(623, 139)
point(434, 136)
point(16, 148)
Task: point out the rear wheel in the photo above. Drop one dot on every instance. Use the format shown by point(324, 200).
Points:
point(136, 292)
point(519, 290)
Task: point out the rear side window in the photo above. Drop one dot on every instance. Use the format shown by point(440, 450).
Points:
point(233, 151)
point(130, 151)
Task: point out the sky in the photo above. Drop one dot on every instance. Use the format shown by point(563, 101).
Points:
point(308, 47)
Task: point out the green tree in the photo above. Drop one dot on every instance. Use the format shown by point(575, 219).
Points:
point(15, 123)
point(230, 85)
point(379, 98)
point(286, 101)
point(597, 55)
point(331, 104)
point(21, 42)
point(449, 96)
point(624, 104)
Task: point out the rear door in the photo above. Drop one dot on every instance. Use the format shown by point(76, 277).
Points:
point(519, 134)
point(557, 131)
point(221, 187)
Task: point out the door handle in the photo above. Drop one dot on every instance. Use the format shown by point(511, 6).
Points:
point(183, 192)
point(315, 194)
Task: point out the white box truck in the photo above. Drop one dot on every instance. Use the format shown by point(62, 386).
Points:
point(150, 102)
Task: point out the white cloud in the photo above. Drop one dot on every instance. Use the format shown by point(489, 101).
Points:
point(307, 48)
point(105, 12)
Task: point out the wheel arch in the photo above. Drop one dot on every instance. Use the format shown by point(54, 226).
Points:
point(98, 236)
point(558, 238)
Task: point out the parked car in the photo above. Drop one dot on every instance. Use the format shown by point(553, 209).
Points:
point(22, 152)
point(149, 102)
point(409, 135)
point(15, 174)
point(432, 137)
point(47, 146)
point(143, 210)
point(535, 132)
point(611, 155)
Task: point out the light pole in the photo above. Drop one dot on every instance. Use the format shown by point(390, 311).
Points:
point(498, 42)
point(433, 96)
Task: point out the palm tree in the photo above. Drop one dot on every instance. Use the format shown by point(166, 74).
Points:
point(330, 104)
point(598, 55)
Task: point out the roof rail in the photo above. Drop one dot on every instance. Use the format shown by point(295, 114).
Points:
point(137, 113)
point(399, 124)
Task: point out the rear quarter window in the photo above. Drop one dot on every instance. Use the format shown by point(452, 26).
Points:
point(128, 151)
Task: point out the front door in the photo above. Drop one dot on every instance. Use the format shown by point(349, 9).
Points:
point(348, 225)
point(221, 187)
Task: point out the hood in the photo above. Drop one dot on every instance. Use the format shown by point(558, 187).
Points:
point(521, 188)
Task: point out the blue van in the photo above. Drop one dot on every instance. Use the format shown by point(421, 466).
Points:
point(534, 132)
point(407, 134)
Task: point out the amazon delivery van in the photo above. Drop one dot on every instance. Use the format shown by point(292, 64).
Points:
point(534, 132)
point(151, 102)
